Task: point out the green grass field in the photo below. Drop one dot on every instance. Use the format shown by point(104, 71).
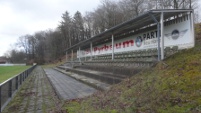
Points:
point(7, 72)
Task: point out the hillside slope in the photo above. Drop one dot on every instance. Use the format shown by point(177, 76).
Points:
point(172, 86)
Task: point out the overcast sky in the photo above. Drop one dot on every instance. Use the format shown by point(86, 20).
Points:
point(21, 17)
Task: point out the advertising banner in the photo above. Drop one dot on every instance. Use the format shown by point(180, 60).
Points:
point(177, 33)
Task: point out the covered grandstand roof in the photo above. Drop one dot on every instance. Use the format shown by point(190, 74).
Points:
point(132, 25)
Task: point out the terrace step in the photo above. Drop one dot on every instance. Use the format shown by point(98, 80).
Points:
point(101, 76)
point(89, 81)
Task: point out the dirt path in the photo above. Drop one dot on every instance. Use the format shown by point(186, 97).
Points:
point(35, 96)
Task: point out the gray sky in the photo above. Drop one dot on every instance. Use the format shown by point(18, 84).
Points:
point(21, 17)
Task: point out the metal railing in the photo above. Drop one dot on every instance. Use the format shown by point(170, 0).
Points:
point(10, 86)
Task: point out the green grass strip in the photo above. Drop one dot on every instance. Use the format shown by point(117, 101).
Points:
point(7, 72)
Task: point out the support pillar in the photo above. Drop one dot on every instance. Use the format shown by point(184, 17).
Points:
point(79, 55)
point(158, 35)
point(72, 58)
point(66, 56)
point(91, 50)
point(66, 60)
point(162, 36)
point(112, 47)
point(71, 55)
point(192, 26)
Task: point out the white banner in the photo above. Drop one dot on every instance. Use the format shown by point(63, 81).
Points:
point(175, 34)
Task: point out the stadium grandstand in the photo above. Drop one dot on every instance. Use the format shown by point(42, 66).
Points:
point(137, 44)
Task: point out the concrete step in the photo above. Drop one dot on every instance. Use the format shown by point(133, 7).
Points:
point(89, 81)
point(100, 76)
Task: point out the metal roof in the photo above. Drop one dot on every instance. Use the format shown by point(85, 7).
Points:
point(133, 24)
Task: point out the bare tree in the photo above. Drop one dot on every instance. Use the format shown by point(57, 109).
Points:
point(88, 25)
point(54, 44)
point(23, 43)
point(107, 15)
point(173, 4)
point(132, 8)
point(31, 45)
point(40, 47)
point(17, 56)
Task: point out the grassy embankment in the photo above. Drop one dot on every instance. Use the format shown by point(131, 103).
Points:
point(7, 72)
point(172, 86)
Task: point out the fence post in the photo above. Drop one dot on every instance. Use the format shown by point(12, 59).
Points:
point(23, 76)
point(20, 78)
point(16, 82)
point(27, 72)
point(10, 88)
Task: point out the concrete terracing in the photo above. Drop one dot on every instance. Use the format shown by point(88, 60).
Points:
point(84, 79)
point(105, 77)
point(67, 87)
